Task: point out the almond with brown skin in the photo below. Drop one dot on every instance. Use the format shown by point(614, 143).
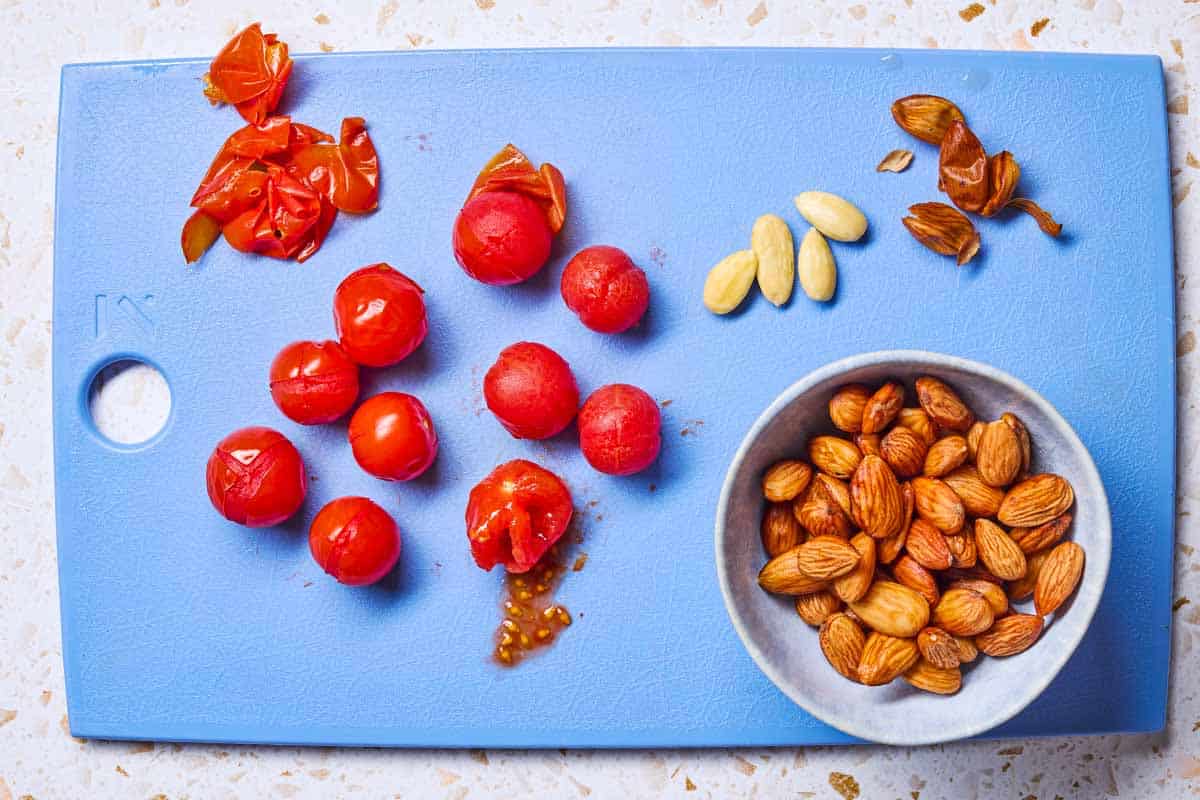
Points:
point(786, 480)
point(854, 584)
point(967, 651)
point(963, 552)
point(925, 116)
point(782, 575)
point(846, 407)
point(815, 608)
point(977, 572)
point(909, 573)
point(998, 457)
point(943, 405)
point(1031, 540)
point(819, 513)
point(1036, 501)
point(891, 608)
point(974, 434)
point(928, 546)
point(1023, 588)
point(945, 455)
point(998, 552)
point(992, 592)
point(917, 421)
point(876, 501)
point(838, 491)
point(978, 499)
point(882, 407)
point(825, 557)
point(884, 658)
point(963, 612)
point(904, 451)
point(1010, 635)
point(929, 678)
point(938, 504)
point(891, 546)
point(1018, 427)
point(1058, 577)
point(833, 455)
point(780, 529)
point(938, 648)
point(842, 642)
point(869, 444)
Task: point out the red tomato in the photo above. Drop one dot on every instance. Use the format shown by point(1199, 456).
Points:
point(393, 437)
point(620, 429)
point(256, 477)
point(501, 238)
point(516, 514)
point(605, 289)
point(354, 540)
point(531, 391)
point(313, 382)
point(379, 314)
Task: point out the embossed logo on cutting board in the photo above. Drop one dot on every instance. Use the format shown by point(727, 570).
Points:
point(113, 310)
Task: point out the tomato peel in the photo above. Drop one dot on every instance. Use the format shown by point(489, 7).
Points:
point(346, 173)
point(516, 514)
point(250, 72)
point(510, 170)
point(199, 233)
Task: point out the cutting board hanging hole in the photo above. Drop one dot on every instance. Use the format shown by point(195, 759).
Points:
point(129, 401)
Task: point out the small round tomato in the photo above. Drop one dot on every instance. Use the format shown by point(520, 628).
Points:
point(354, 540)
point(531, 391)
point(313, 382)
point(605, 289)
point(501, 238)
point(620, 429)
point(516, 514)
point(379, 314)
point(392, 437)
point(256, 477)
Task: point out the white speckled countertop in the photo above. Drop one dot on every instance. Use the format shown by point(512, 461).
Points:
point(39, 759)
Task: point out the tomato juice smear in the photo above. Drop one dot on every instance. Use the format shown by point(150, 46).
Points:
point(531, 619)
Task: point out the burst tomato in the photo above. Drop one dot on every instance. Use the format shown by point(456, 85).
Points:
point(354, 540)
point(516, 514)
point(531, 391)
point(256, 477)
point(313, 382)
point(379, 314)
point(501, 238)
point(620, 429)
point(392, 437)
point(605, 289)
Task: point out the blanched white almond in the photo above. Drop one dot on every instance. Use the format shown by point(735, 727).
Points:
point(815, 265)
point(833, 216)
point(729, 281)
point(771, 240)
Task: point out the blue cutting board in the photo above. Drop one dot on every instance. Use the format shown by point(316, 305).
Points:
point(178, 625)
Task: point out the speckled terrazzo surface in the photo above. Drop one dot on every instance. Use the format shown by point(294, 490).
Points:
point(39, 759)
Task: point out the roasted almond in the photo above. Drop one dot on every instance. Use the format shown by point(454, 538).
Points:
point(1023, 588)
point(978, 499)
point(963, 552)
point(967, 651)
point(1058, 577)
point(884, 658)
point(943, 405)
point(729, 281)
point(998, 457)
point(846, 407)
point(1014, 422)
point(869, 443)
point(785, 480)
point(834, 455)
point(833, 216)
point(882, 407)
point(1010, 635)
point(974, 434)
point(815, 608)
point(819, 513)
point(780, 529)
point(928, 546)
point(992, 592)
point(891, 546)
point(917, 421)
point(937, 503)
point(839, 491)
point(1036, 501)
point(910, 573)
point(927, 677)
point(998, 552)
point(904, 451)
point(1031, 540)
point(842, 642)
point(925, 116)
point(876, 502)
point(945, 455)
point(854, 584)
point(892, 608)
point(825, 557)
point(782, 575)
point(938, 648)
point(963, 612)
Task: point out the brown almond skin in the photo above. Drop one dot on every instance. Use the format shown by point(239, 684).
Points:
point(780, 529)
point(892, 608)
point(834, 456)
point(1058, 577)
point(904, 451)
point(891, 546)
point(908, 572)
point(842, 642)
point(938, 648)
point(815, 608)
point(846, 407)
point(963, 552)
point(838, 490)
point(917, 421)
point(978, 499)
point(945, 455)
point(1032, 540)
point(782, 575)
point(824, 558)
point(882, 407)
point(1036, 501)
point(963, 612)
point(1023, 588)
point(885, 658)
point(937, 503)
point(930, 678)
point(876, 501)
point(943, 405)
point(928, 546)
point(1018, 427)
point(998, 552)
point(819, 513)
point(1010, 635)
point(868, 443)
point(785, 480)
point(974, 434)
point(925, 116)
point(854, 584)
point(967, 651)
point(992, 592)
point(998, 457)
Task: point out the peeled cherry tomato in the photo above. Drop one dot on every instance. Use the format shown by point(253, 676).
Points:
point(501, 238)
point(354, 540)
point(256, 477)
point(516, 514)
point(379, 314)
point(605, 289)
point(313, 382)
point(620, 429)
point(392, 437)
point(531, 391)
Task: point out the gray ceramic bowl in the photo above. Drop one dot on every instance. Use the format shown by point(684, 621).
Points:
point(786, 649)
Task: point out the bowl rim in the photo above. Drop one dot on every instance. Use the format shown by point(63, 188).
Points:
point(1098, 563)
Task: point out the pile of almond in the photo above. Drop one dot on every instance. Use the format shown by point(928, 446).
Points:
point(908, 541)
